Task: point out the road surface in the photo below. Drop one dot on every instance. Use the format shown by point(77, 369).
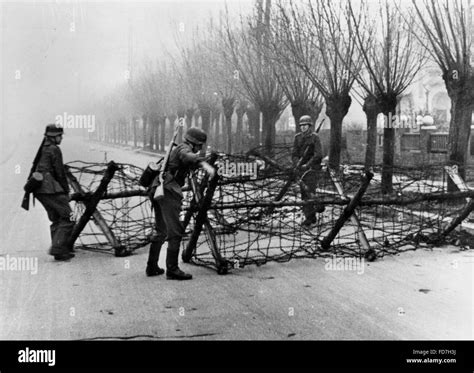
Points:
point(421, 295)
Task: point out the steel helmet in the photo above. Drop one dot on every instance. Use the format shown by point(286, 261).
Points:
point(306, 119)
point(196, 136)
point(53, 130)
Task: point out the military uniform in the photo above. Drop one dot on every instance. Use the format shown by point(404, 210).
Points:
point(310, 170)
point(167, 210)
point(53, 195)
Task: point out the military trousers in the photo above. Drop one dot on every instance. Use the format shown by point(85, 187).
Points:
point(168, 226)
point(59, 213)
point(309, 181)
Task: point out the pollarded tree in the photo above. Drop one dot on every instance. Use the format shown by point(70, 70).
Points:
point(174, 102)
point(224, 78)
point(391, 58)
point(197, 72)
point(181, 98)
point(140, 101)
point(245, 50)
point(117, 108)
point(318, 40)
point(146, 98)
point(155, 81)
point(303, 95)
point(445, 29)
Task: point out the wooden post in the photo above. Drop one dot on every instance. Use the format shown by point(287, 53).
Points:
point(459, 219)
point(91, 209)
point(82, 197)
point(463, 187)
point(202, 220)
point(97, 216)
point(348, 212)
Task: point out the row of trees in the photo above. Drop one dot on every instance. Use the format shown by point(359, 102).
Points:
point(307, 55)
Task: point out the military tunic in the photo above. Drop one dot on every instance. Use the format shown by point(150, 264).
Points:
point(53, 195)
point(167, 210)
point(308, 147)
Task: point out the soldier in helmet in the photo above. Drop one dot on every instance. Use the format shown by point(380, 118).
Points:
point(183, 158)
point(53, 192)
point(307, 148)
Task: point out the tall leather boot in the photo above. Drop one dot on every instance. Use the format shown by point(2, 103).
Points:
point(152, 268)
point(172, 270)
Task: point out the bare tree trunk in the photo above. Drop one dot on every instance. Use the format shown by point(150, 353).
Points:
point(170, 132)
point(216, 132)
point(388, 106)
point(205, 110)
point(162, 120)
point(270, 117)
point(115, 132)
point(240, 111)
point(371, 110)
point(121, 131)
point(228, 105)
point(144, 118)
point(387, 168)
point(189, 118)
point(253, 116)
point(152, 130)
point(126, 132)
point(336, 109)
point(197, 115)
point(134, 124)
point(156, 126)
point(228, 127)
point(462, 106)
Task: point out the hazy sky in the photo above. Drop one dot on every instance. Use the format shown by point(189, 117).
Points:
point(57, 54)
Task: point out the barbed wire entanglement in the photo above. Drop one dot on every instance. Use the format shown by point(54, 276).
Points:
point(125, 209)
point(249, 226)
point(254, 211)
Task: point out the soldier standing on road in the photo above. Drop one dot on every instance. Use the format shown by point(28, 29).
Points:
point(307, 149)
point(53, 193)
point(183, 158)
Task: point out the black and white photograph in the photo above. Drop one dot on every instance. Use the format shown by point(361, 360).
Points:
point(237, 171)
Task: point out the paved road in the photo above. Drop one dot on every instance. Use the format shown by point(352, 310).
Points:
point(417, 295)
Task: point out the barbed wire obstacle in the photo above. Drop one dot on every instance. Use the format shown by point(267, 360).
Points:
point(250, 221)
point(252, 212)
point(111, 209)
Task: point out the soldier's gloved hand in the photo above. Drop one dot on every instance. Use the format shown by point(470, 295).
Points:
point(212, 154)
point(209, 169)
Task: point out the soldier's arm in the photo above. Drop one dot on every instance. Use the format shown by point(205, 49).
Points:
point(195, 160)
point(295, 157)
point(58, 168)
point(188, 158)
point(317, 157)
